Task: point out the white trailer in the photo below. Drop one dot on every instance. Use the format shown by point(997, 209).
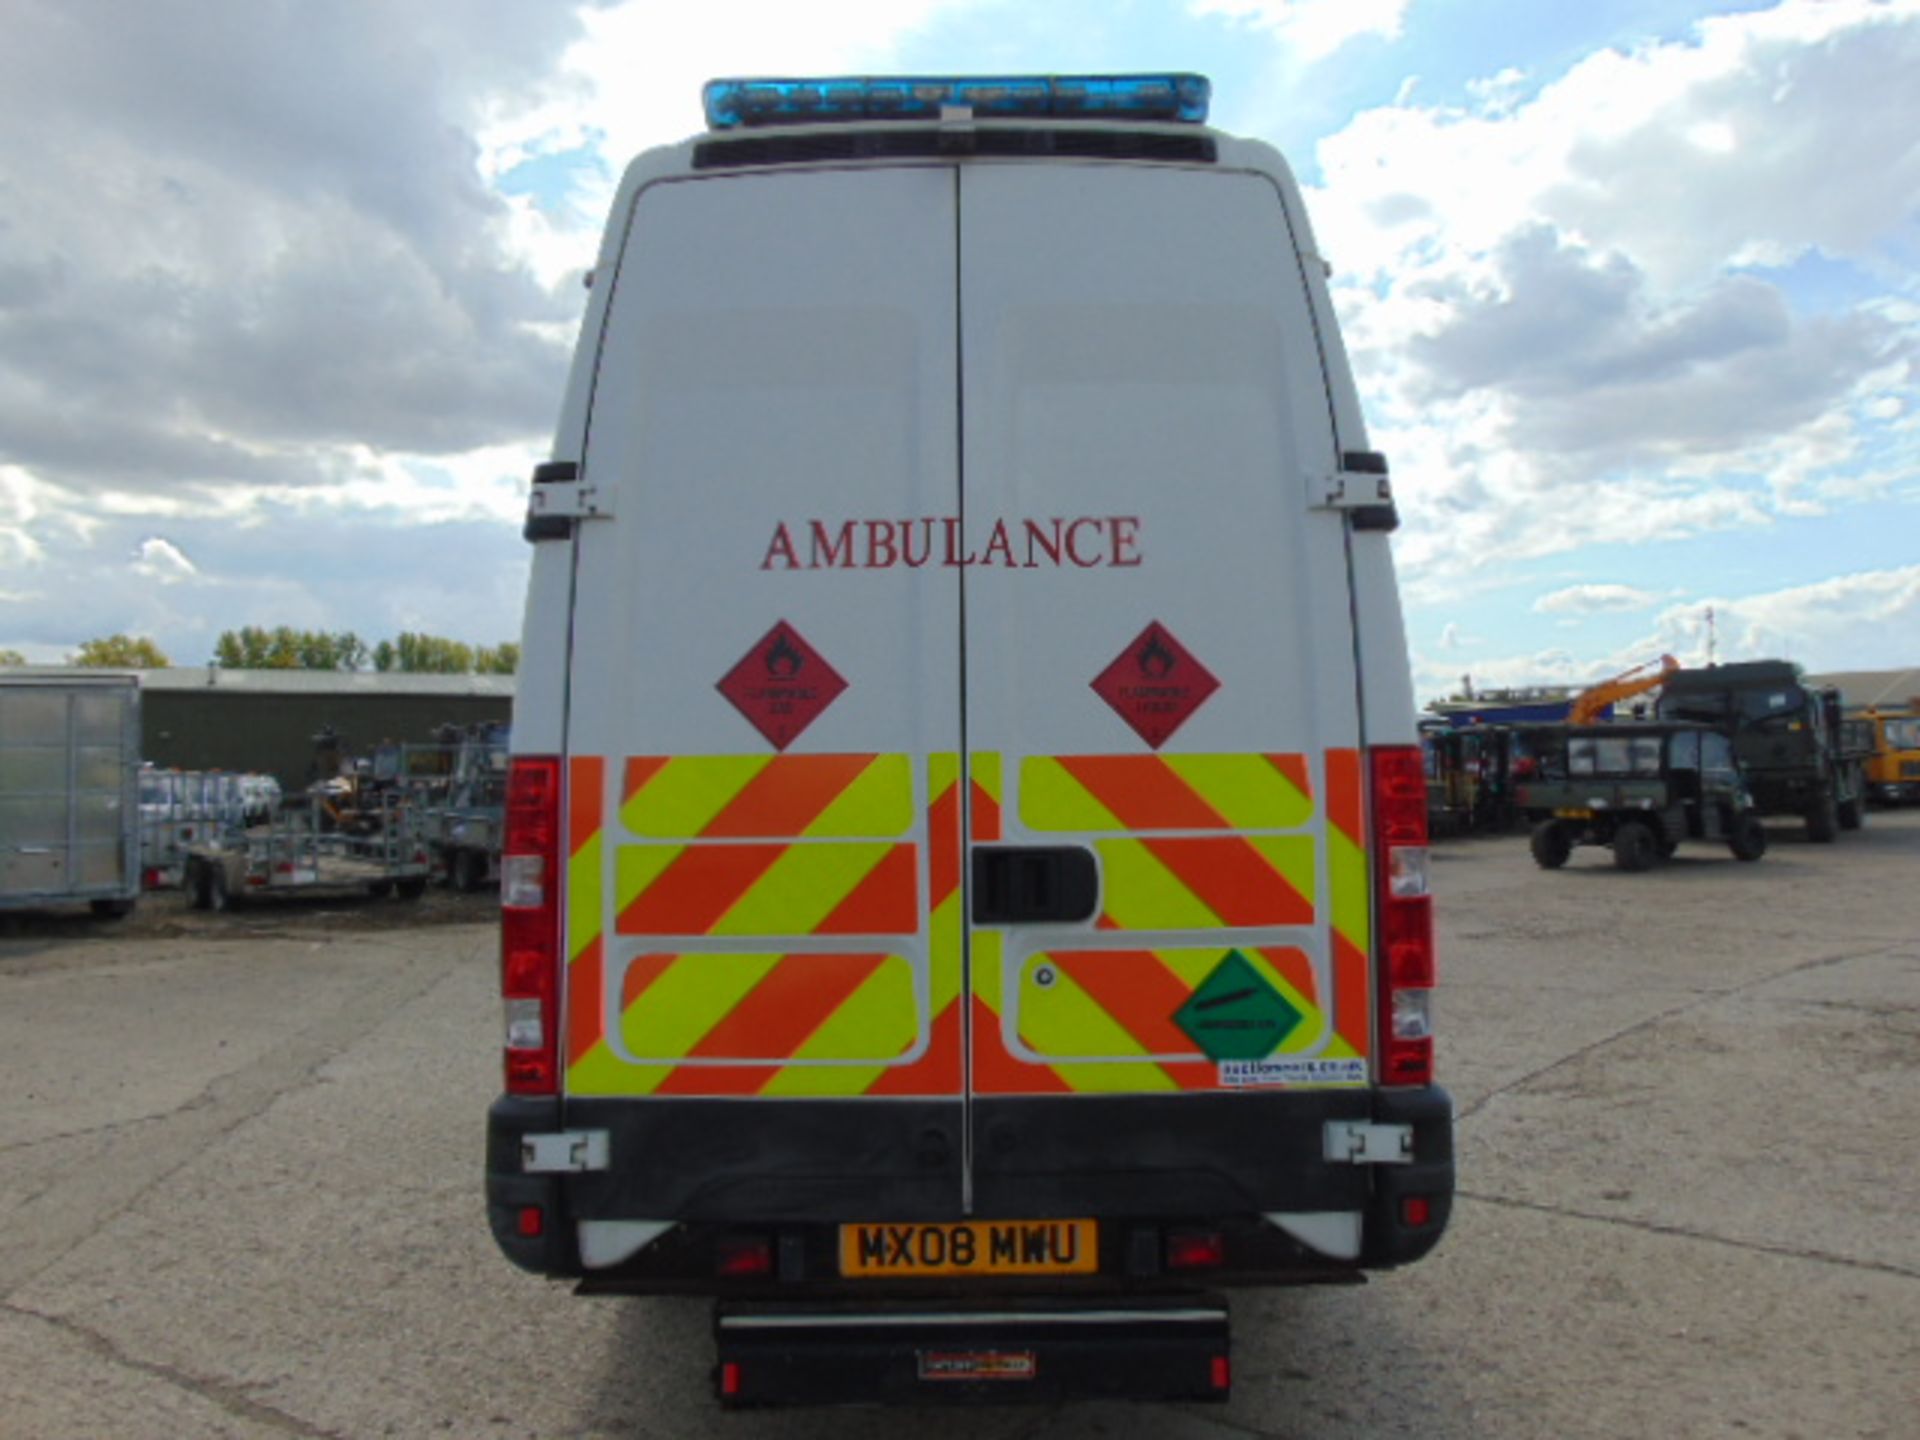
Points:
point(69, 791)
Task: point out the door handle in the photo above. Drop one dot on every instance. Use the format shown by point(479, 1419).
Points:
point(1034, 884)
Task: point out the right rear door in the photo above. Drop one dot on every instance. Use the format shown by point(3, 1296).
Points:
point(1159, 673)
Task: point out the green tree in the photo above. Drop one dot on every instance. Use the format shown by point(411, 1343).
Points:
point(284, 648)
point(502, 659)
point(12, 657)
point(430, 655)
point(121, 652)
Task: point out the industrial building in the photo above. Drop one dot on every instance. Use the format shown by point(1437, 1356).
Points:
point(206, 718)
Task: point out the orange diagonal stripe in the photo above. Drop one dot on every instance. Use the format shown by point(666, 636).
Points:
point(884, 903)
point(1233, 880)
point(586, 1021)
point(1143, 792)
point(1141, 994)
point(640, 976)
point(935, 1073)
point(585, 780)
point(986, 814)
point(943, 845)
point(773, 1019)
point(1343, 794)
point(1295, 968)
point(701, 885)
point(788, 795)
point(1350, 1014)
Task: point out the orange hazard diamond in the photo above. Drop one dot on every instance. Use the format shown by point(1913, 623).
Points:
point(781, 685)
point(1155, 684)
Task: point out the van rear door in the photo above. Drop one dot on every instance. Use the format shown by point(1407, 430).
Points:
point(962, 723)
point(763, 727)
point(1160, 680)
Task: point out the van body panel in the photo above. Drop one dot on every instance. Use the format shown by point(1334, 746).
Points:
point(962, 696)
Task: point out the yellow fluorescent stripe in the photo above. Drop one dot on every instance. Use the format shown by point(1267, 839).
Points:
point(878, 802)
point(1126, 1077)
point(681, 798)
point(1142, 894)
point(983, 768)
point(1061, 1019)
point(583, 895)
point(800, 889)
point(1051, 799)
point(690, 997)
point(1347, 887)
point(601, 1072)
point(636, 867)
point(945, 975)
point(1245, 789)
point(986, 968)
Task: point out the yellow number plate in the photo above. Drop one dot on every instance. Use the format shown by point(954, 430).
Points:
point(971, 1247)
point(1573, 814)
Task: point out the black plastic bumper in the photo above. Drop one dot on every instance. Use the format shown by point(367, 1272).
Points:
point(800, 1168)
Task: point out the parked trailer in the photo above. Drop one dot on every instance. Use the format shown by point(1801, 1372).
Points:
point(69, 798)
point(462, 823)
point(183, 808)
point(299, 850)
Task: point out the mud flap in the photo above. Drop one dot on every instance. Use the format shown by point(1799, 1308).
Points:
point(1000, 1351)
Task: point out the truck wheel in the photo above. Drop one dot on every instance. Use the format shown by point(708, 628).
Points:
point(411, 889)
point(1823, 819)
point(380, 889)
point(469, 870)
point(111, 909)
point(199, 887)
point(1749, 838)
point(1634, 847)
point(1550, 844)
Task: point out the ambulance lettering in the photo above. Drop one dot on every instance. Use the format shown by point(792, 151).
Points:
point(1087, 542)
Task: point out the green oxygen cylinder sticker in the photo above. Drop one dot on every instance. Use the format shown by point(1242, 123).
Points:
point(1237, 1013)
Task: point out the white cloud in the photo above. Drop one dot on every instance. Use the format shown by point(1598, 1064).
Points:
point(161, 560)
point(1551, 306)
point(1313, 29)
point(1849, 622)
point(1594, 599)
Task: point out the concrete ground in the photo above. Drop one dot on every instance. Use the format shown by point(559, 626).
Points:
point(240, 1187)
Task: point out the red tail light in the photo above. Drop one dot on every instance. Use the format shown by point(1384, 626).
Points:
point(1405, 944)
point(530, 883)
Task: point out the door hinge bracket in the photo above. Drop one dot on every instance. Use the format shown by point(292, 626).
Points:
point(1360, 487)
point(567, 1152)
point(559, 497)
point(1359, 1142)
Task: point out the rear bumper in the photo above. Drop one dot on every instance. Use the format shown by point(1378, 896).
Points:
point(1140, 1165)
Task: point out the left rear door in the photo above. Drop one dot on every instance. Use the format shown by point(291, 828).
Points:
point(762, 915)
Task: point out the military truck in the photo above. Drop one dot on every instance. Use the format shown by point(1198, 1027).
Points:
point(1798, 755)
point(1640, 788)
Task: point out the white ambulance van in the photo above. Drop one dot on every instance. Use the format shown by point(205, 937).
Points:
point(965, 887)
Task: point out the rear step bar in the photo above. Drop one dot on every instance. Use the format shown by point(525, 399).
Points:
point(1041, 1349)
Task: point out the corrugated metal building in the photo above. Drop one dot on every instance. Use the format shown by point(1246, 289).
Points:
point(206, 718)
point(1886, 688)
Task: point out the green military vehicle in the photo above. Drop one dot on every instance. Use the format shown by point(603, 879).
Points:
point(1799, 756)
point(1640, 787)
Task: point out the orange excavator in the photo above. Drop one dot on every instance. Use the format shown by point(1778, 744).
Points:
point(1588, 704)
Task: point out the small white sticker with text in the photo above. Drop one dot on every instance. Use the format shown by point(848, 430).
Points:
point(1303, 1071)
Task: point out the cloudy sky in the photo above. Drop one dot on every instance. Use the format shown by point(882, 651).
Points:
point(1633, 293)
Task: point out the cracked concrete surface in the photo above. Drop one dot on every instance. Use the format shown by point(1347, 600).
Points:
point(239, 1189)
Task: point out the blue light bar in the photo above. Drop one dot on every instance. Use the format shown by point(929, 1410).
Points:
point(734, 104)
